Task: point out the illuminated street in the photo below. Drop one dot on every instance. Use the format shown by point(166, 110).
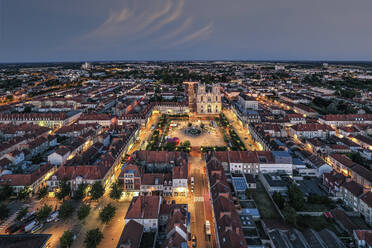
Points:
point(200, 207)
point(243, 132)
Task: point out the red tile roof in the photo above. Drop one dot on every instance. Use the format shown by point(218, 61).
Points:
point(367, 198)
point(144, 207)
point(347, 117)
point(343, 159)
point(365, 235)
point(131, 235)
point(91, 172)
point(25, 179)
point(180, 172)
point(310, 127)
point(354, 188)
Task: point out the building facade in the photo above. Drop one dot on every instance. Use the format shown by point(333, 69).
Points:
point(208, 99)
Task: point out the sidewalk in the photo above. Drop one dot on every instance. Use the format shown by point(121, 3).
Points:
point(241, 131)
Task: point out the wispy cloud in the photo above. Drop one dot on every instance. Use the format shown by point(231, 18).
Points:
point(160, 20)
point(154, 15)
point(198, 35)
point(109, 26)
point(181, 29)
point(171, 18)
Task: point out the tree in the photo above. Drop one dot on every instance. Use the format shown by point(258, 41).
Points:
point(290, 215)
point(186, 143)
point(170, 146)
point(66, 239)
point(93, 238)
point(27, 109)
point(116, 190)
point(357, 158)
point(97, 191)
point(296, 197)
point(83, 211)
point(24, 193)
point(42, 192)
point(81, 191)
point(4, 212)
point(63, 189)
point(5, 192)
point(107, 213)
point(278, 199)
point(65, 210)
point(43, 213)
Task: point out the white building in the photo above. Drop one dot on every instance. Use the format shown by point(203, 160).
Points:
point(60, 156)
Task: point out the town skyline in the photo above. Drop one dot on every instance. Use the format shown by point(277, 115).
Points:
point(208, 154)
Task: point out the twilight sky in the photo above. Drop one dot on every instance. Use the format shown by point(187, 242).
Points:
point(79, 30)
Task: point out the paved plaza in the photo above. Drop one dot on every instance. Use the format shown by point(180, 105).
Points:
point(210, 136)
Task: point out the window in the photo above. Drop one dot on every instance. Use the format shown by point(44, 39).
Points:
point(209, 109)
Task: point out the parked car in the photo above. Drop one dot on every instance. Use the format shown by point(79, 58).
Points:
point(13, 228)
point(208, 227)
point(30, 225)
point(53, 216)
point(37, 228)
point(194, 244)
point(29, 217)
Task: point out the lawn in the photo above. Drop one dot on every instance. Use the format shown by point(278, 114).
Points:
point(318, 223)
point(264, 203)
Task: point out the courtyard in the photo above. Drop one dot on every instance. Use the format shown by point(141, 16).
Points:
point(209, 135)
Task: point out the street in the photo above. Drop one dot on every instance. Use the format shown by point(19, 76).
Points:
point(199, 204)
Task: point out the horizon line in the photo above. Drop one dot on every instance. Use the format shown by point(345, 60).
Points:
point(195, 60)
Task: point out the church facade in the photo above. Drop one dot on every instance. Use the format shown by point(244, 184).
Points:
point(208, 99)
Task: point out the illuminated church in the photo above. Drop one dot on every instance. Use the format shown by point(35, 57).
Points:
point(208, 99)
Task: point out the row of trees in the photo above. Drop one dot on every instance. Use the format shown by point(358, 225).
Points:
point(96, 190)
point(325, 106)
point(296, 202)
point(92, 238)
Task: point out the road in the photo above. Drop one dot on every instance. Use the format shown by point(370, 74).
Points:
point(199, 204)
